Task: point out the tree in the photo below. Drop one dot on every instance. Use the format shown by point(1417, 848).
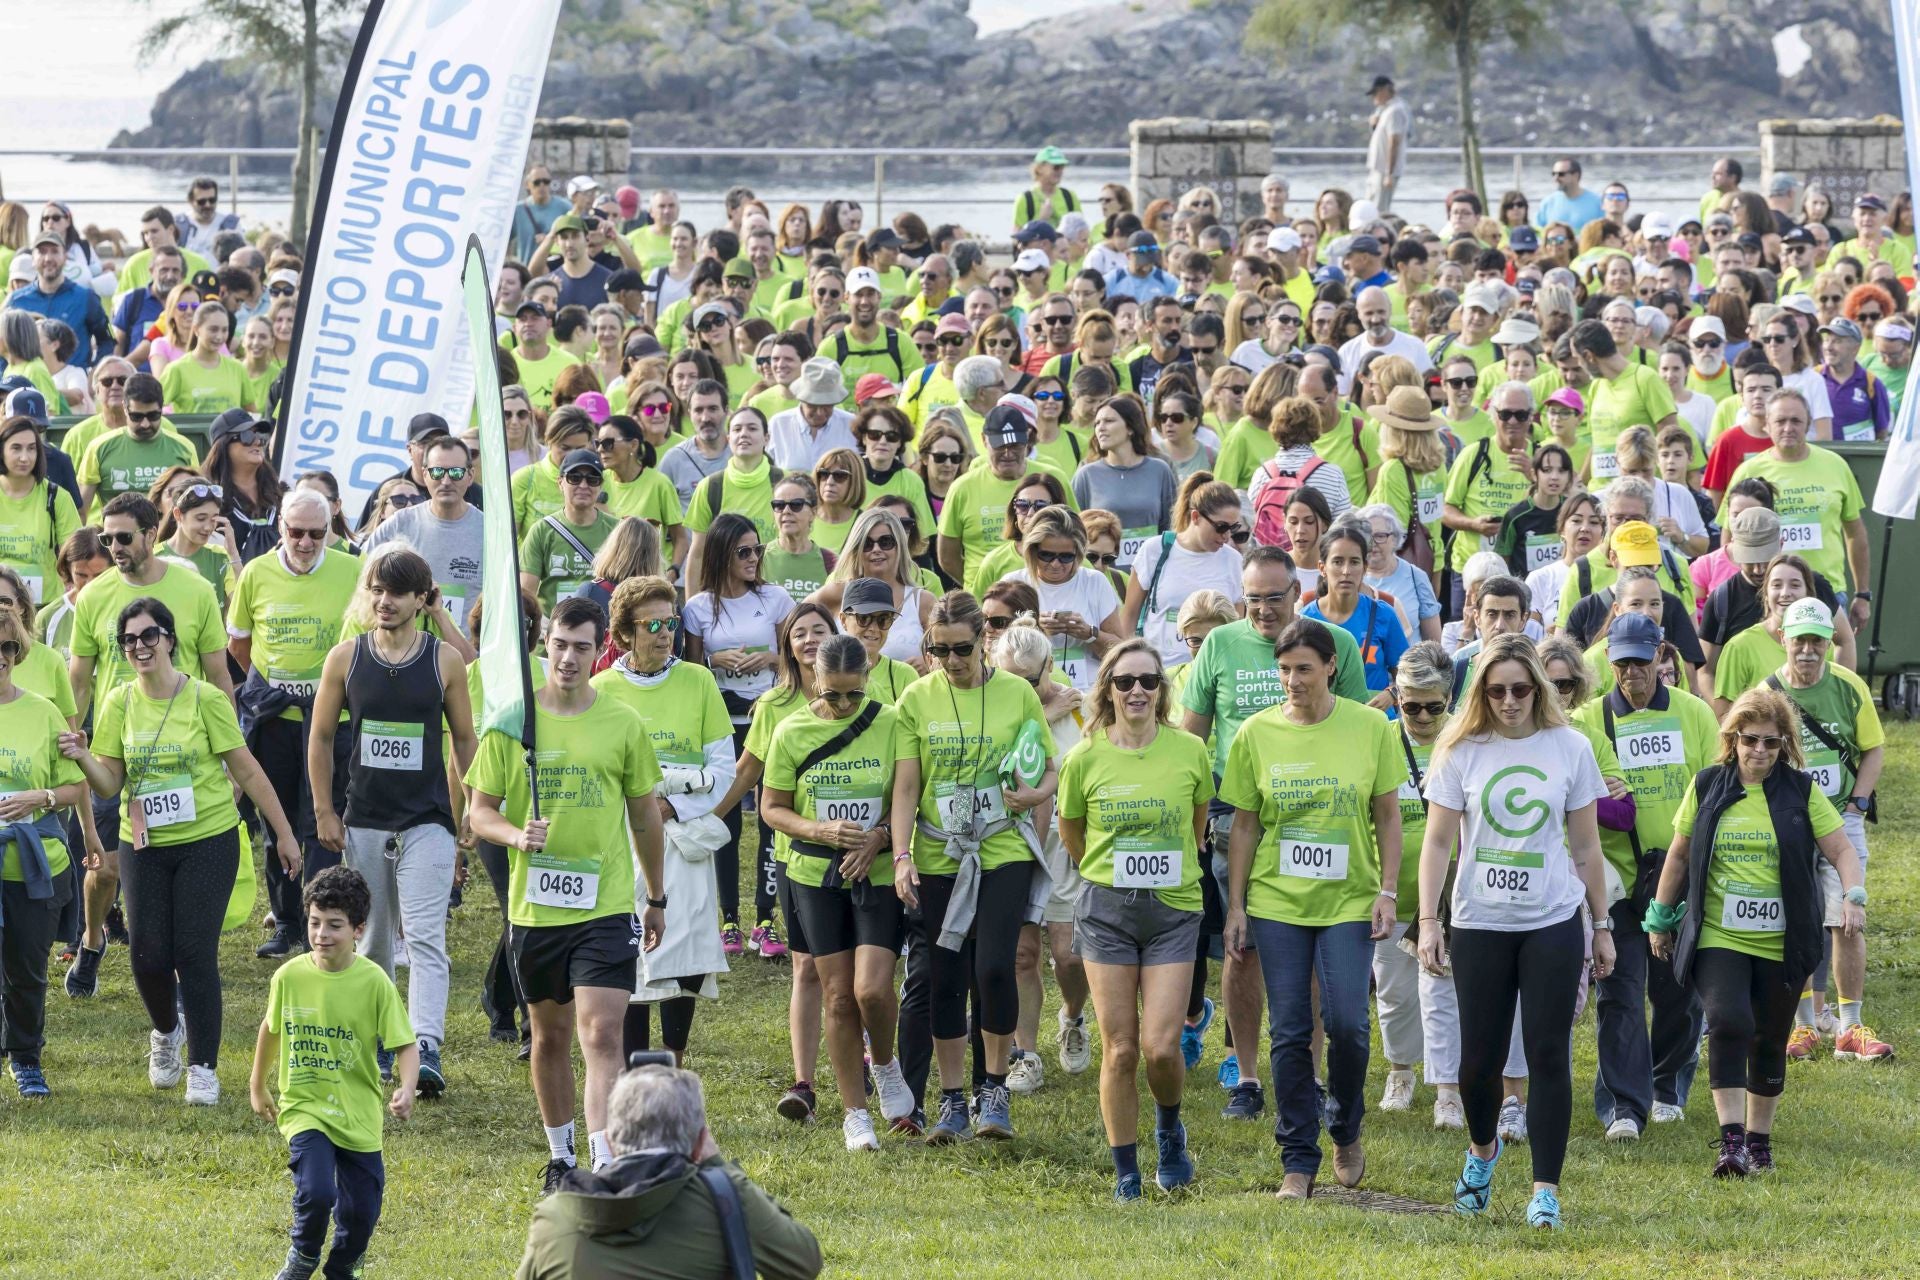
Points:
point(1464, 26)
point(279, 37)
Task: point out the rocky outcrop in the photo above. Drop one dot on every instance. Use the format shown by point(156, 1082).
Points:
point(915, 73)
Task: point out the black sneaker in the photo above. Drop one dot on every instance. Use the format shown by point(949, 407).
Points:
point(1245, 1101)
point(525, 1052)
point(556, 1172)
point(275, 947)
point(797, 1102)
point(911, 1125)
point(117, 926)
point(83, 979)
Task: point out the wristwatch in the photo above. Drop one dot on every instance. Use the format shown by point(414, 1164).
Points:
point(1603, 924)
point(1863, 595)
point(1860, 802)
point(658, 904)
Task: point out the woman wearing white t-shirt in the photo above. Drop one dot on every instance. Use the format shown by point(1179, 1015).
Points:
point(1199, 556)
point(1079, 609)
point(1788, 352)
point(1516, 788)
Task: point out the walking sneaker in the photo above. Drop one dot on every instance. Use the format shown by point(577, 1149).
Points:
point(433, 1081)
point(996, 1119)
point(1827, 1022)
point(1449, 1112)
point(555, 1173)
point(857, 1129)
point(1513, 1120)
point(1245, 1101)
point(732, 942)
point(1176, 1166)
point(896, 1099)
point(163, 1057)
point(1802, 1043)
point(766, 941)
point(30, 1081)
point(1398, 1095)
point(1733, 1161)
point(277, 946)
point(1667, 1113)
point(117, 925)
point(797, 1102)
point(1127, 1187)
point(1475, 1186)
point(203, 1087)
point(1623, 1129)
point(298, 1266)
point(912, 1125)
point(83, 979)
point(384, 1056)
point(953, 1125)
point(1192, 1035)
point(1543, 1211)
point(1027, 1073)
point(1076, 1049)
point(1858, 1044)
point(1229, 1073)
point(1759, 1153)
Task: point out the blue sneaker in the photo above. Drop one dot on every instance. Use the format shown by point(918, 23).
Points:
point(1475, 1187)
point(953, 1125)
point(1127, 1187)
point(1192, 1043)
point(1543, 1211)
point(384, 1056)
point(31, 1082)
point(1229, 1073)
point(1246, 1102)
point(433, 1081)
point(996, 1119)
point(1176, 1166)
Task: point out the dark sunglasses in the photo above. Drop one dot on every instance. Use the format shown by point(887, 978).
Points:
point(943, 458)
point(1765, 741)
point(710, 324)
point(147, 639)
point(749, 553)
point(305, 535)
point(1503, 692)
point(120, 538)
point(996, 622)
point(1056, 557)
point(1513, 415)
point(1462, 384)
point(882, 542)
point(1422, 708)
point(281, 291)
point(401, 501)
point(1150, 682)
point(1708, 344)
point(951, 650)
point(1869, 317)
point(446, 473)
point(1103, 559)
point(1567, 687)
point(848, 698)
point(881, 436)
point(878, 621)
point(790, 504)
point(951, 340)
point(838, 474)
point(154, 416)
point(1176, 417)
point(587, 478)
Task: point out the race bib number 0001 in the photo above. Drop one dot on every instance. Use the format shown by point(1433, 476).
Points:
point(1310, 858)
point(1509, 877)
point(553, 881)
point(392, 744)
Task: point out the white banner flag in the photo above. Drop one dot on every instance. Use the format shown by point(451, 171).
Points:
point(429, 146)
point(1898, 493)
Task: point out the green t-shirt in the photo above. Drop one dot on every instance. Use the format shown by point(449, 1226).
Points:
point(1743, 911)
point(30, 760)
point(96, 625)
point(889, 353)
point(118, 463)
point(1637, 397)
point(260, 385)
point(1234, 677)
point(1482, 353)
point(1003, 559)
point(81, 436)
point(545, 553)
point(138, 270)
point(172, 756)
point(1496, 486)
point(536, 493)
point(1426, 493)
point(904, 482)
point(44, 671)
point(190, 387)
point(329, 1025)
point(1660, 749)
point(1413, 830)
point(1313, 786)
point(682, 712)
point(1139, 808)
point(650, 497)
point(853, 785)
point(801, 572)
point(975, 512)
point(888, 678)
point(1244, 447)
point(538, 376)
point(1344, 445)
point(1816, 498)
point(211, 565)
point(31, 531)
point(652, 245)
point(831, 535)
point(1472, 429)
point(928, 388)
point(293, 619)
point(1842, 704)
point(960, 737)
point(770, 711)
point(775, 399)
point(589, 765)
point(1746, 660)
point(747, 493)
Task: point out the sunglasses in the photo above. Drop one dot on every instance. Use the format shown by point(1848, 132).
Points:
point(876, 621)
point(1003, 292)
point(829, 295)
point(882, 542)
point(837, 475)
point(789, 504)
point(525, 415)
point(749, 553)
point(198, 491)
point(1049, 395)
point(246, 439)
point(1708, 344)
point(446, 473)
point(1103, 559)
point(148, 639)
point(586, 479)
point(710, 324)
point(1176, 417)
point(945, 459)
point(603, 444)
point(1126, 683)
point(1462, 384)
point(1421, 708)
point(951, 650)
point(1057, 319)
point(881, 437)
point(654, 626)
point(1557, 240)
point(1764, 741)
point(153, 416)
point(1868, 317)
point(1513, 415)
point(1241, 535)
point(1778, 340)
point(540, 182)
point(186, 306)
point(121, 538)
point(848, 698)
point(281, 291)
point(401, 501)
point(655, 410)
point(1834, 298)
point(305, 535)
point(951, 340)
point(1056, 557)
point(763, 362)
point(1509, 692)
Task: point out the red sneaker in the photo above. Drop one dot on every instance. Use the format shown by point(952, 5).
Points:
point(1801, 1044)
point(1858, 1044)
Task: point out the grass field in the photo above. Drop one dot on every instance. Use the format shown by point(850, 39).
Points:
point(111, 1179)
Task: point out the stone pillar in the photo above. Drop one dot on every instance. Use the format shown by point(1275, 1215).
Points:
point(573, 145)
point(1846, 157)
point(1174, 154)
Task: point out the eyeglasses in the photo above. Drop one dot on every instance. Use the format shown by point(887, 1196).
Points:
point(153, 416)
point(835, 475)
point(1764, 741)
point(1462, 384)
point(1513, 415)
point(1103, 559)
point(881, 542)
point(1509, 692)
point(945, 459)
point(584, 479)
point(876, 621)
point(790, 504)
point(846, 698)
point(1150, 681)
point(655, 409)
point(1057, 557)
point(749, 553)
point(654, 626)
point(951, 650)
point(1708, 344)
point(148, 638)
point(305, 535)
point(120, 538)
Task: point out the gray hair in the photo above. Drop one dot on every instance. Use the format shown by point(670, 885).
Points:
point(1381, 511)
point(22, 332)
point(1425, 666)
point(976, 374)
point(1482, 565)
point(1275, 180)
point(1073, 224)
point(1525, 391)
point(1653, 320)
point(1023, 648)
point(1619, 304)
point(656, 1109)
point(310, 500)
point(1627, 487)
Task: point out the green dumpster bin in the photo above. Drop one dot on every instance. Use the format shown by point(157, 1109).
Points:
point(1890, 649)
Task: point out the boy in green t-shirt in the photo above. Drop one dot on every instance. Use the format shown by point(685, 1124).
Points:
point(327, 1012)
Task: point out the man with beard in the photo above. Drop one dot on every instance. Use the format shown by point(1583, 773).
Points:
point(1376, 315)
point(866, 345)
point(130, 461)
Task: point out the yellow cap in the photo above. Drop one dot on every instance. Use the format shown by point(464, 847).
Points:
point(1636, 542)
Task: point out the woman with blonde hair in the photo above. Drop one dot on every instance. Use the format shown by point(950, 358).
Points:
point(1413, 473)
point(1515, 788)
point(1247, 443)
point(1080, 611)
point(877, 547)
point(942, 453)
point(631, 551)
point(840, 483)
point(172, 331)
point(1103, 546)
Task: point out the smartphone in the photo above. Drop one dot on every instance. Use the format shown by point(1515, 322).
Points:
point(649, 1058)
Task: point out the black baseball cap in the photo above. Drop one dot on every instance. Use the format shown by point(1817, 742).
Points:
point(425, 426)
point(868, 595)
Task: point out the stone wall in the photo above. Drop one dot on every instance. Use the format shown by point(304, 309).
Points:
point(1845, 157)
point(573, 145)
point(1175, 154)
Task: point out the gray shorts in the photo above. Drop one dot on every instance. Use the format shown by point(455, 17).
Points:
point(1855, 825)
point(1132, 927)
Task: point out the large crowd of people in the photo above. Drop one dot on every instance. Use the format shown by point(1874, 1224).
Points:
point(1455, 614)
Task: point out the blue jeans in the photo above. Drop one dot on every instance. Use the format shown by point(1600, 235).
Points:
point(332, 1182)
point(1290, 956)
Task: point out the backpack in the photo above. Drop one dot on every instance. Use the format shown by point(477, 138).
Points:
point(842, 349)
point(1270, 508)
point(1031, 207)
point(716, 487)
point(1417, 550)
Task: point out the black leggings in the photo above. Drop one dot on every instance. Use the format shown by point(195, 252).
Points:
point(1749, 1004)
point(676, 1023)
point(727, 859)
point(176, 901)
point(987, 957)
point(1542, 968)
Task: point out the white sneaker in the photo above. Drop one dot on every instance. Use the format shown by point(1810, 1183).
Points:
point(1028, 1074)
point(1076, 1049)
point(1667, 1113)
point(1399, 1092)
point(896, 1099)
point(163, 1057)
point(1827, 1023)
point(1624, 1129)
point(1513, 1120)
point(857, 1129)
point(1449, 1112)
point(203, 1087)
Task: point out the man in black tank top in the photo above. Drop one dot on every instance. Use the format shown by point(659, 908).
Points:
point(404, 693)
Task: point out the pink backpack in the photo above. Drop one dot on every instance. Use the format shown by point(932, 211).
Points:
point(1270, 508)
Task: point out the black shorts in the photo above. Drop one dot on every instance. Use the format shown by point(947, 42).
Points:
point(554, 960)
point(836, 920)
point(783, 888)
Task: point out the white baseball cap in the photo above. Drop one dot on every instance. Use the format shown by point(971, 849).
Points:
point(1703, 325)
point(1483, 296)
point(1283, 240)
point(863, 278)
point(1363, 215)
point(1029, 260)
point(582, 182)
point(1657, 226)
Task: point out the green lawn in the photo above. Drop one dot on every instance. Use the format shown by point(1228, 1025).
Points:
point(113, 1180)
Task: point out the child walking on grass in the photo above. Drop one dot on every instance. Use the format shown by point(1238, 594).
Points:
point(327, 1012)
